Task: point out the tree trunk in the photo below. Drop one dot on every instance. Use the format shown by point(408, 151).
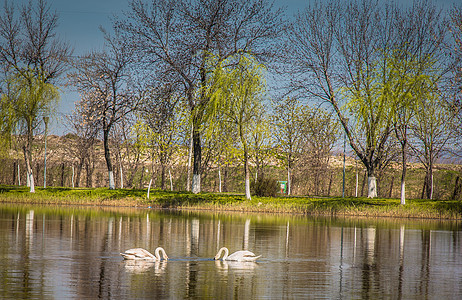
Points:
point(247, 174)
point(14, 173)
point(371, 187)
point(403, 176)
point(225, 178)
point(107, 156)
point(79, 172)
point(197, 155)
point(162, 177)
point(457, 188)
point(190, 153)
point(330, 185)
point(62, 174)
point(27, 158)
point(392, 183)
point(219, 180)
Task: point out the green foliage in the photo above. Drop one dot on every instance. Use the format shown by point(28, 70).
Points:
point(184, 200)
point(28, 98)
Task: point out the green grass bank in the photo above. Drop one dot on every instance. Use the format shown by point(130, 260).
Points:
point(364, 207)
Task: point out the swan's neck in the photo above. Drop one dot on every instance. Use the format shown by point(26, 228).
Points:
point(226, 253)
point(157, 253)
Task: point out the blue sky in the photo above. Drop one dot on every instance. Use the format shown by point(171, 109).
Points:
point(79, 22)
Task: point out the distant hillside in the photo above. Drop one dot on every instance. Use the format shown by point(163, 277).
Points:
point(63, 169)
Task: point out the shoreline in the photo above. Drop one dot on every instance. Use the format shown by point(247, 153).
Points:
point(214, 202)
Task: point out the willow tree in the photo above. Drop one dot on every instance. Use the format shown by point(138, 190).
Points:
point(238, 89)
point(28, 99)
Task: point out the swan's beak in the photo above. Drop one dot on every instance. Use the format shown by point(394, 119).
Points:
point(166, 257)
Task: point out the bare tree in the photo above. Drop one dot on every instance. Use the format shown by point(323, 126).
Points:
point(289, 122)
point(81, 147)
point(320, 135)
point(109, 90)
point(162, 116)
point(179, 37)
point(435, 134)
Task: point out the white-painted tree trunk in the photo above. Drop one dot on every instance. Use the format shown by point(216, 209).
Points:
point(171, 181)
point(19, 175)
point(403, 192)
point(196, 183)
point(31, 182)
point(188, 179)
point(219, 181)
point(149, 187)
point(247, 188)
point(73, 176)
point(431, 190)
point(372, 187)
point(121, 178)
point(111, 180)
point(288, 182)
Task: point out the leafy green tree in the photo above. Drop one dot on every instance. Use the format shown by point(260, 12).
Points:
point(26, 102)
point(239, 87)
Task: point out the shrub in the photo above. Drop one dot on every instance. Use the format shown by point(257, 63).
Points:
point(265, 187)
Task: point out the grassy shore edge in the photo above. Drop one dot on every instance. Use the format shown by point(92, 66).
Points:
point(364, 207)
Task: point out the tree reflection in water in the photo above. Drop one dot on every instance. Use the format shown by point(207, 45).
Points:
point(73, 252)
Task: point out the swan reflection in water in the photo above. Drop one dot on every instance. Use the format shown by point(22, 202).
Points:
point(241, 256)
point(141, 266)
point(237, 267)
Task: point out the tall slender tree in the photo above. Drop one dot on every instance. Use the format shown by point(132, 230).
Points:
point(109, 90)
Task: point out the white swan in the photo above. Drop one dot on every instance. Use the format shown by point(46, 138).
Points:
point(242, 255)
point(142, 254)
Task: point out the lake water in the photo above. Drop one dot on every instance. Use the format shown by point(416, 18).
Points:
point(73, 253)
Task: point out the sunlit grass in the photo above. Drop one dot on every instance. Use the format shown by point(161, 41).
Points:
point(378, 207)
